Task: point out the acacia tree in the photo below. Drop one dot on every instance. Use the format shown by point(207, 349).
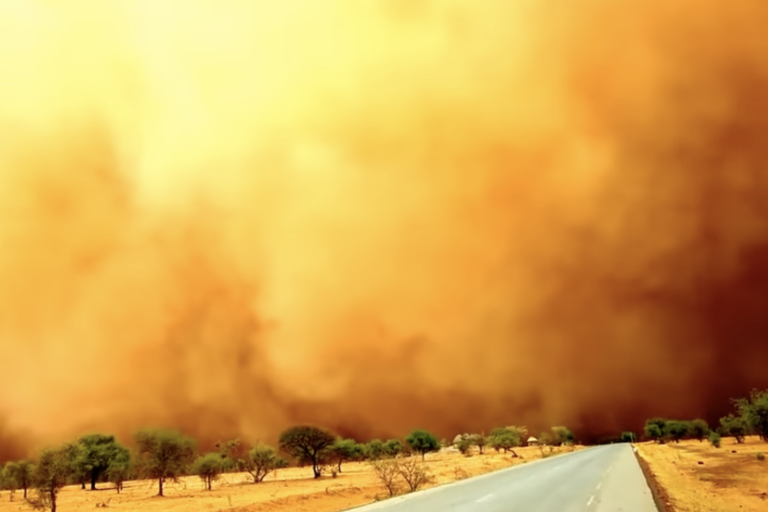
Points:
point(19, 475)
point(307, 443)
point(655, 428)
point(343, 450)
point(734, 426)
point(119, 469)
point(96, 454)
point(165, 454)
point(562, 435)
point(480, 441)
point(393, 447)
point(676, 429)
point(53, 470)
point(423, 442)
point(208, 467)
point(261, 460)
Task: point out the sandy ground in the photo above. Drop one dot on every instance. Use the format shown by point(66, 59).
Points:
point(730, 478)
point(291, 489)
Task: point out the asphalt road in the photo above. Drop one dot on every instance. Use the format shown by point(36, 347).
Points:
point(599, 479)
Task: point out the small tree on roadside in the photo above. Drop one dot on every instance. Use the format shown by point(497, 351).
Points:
point(423, 442)
point(53, 470)
point(654, 429)
point(754, 410)
point(562, 435)
point(209, 468)
point(307, 443)
point(734, 426)
point(261, 460)
point(393, 447)
point(387, 471)
point(20, 475)
point(464, 445)
point(504, 439)
point(714, 439)
point(413, 473)
point(698, 429)
point(164, 455)
point(628, 437)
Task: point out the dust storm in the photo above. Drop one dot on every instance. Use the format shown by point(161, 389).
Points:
point(229, 217)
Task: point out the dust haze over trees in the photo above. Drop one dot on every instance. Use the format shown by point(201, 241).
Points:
point(235, 204)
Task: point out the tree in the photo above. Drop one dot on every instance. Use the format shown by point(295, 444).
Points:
point(261, 460)
point(208, 467)
point(423, 442)
point(97, 453)
point(307, 443)
point(393, 447)
point(676, 429)
point(754, 410)
point(734, 426)
point(654, 429)
point(698, 429)
point(562, 435)
point(714, 438)
point(343, 450)
point(504, 439)
point(20, 474)
point(387, 472)
point(414, 473)
point(119, 470)
point(374, 449)
point(464, 445)
point(480, 441)
point(233, 453)
point(628, 437)
point(53, 469)
point(165, 454)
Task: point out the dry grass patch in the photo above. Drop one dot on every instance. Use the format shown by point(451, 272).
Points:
point(700, 478)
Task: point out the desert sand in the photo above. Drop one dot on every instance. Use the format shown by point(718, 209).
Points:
point(696, 477)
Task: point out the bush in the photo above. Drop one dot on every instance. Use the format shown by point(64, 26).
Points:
point(393, 447)
point(464, 446)
point(714, 439)
point(414, 473)
point(698, 429)
point(760, 456)
point(387, 471)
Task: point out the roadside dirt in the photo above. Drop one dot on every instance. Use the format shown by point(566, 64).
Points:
point(696, 477)
point(290, 490)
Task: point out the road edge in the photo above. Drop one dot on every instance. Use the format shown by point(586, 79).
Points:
point(659, 493)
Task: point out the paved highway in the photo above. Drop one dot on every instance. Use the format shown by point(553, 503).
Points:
point(599, 479)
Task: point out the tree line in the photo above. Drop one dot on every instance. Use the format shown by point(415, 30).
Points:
point(750, 417)
point(167, 455)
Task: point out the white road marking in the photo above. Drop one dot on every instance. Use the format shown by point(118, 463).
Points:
point(590, 500)
point(599, 485)
point(484, 498)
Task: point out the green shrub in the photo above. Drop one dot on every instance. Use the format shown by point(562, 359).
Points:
point(714, 439)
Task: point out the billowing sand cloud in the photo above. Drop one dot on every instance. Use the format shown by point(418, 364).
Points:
point(231, 216)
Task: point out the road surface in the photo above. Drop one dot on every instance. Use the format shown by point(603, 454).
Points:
point(600, 479)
